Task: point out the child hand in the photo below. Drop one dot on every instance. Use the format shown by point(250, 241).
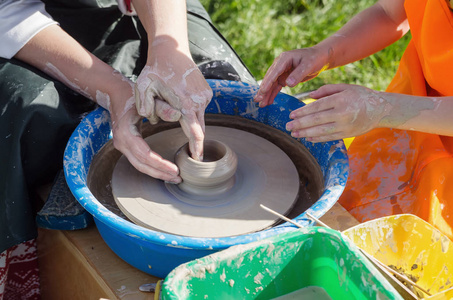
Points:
point(289, 69)
point(341, 111)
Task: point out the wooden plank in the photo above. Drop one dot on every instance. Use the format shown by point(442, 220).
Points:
point(80, 264)
point(339, 218)
point(64, 270)
point(123, 279)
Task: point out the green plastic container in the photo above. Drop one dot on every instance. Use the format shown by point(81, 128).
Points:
point(304, 261)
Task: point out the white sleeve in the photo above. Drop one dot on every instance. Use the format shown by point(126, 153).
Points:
point(20, 20)
point(129, 11)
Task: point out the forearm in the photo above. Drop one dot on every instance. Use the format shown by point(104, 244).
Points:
point(165, 22)
point(426, 114)
point(368, 32)
point(57, 54)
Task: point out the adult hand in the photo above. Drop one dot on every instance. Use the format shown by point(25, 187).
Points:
point(173, 77)
point(289, 69)
point(56, 53)
point(341, 111)
point(128, 139)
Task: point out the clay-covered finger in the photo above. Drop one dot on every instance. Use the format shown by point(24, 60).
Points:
point(201, 120)
point(328, 138)
point(153, 165)
point(128, 140)
point(152, 171)
point(281, 65)
point(269, 84)
point(300, 74)
point(146, 161)
point(311, 120)
point(140, 96)
point(145, 104)
point(316, 131)
point(321, 105)
point(194, 132)
point(266, 84)
point(166, 112)
point(270, 97)
point(327, 90)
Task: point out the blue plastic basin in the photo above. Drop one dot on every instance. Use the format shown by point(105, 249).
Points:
point(158, 253)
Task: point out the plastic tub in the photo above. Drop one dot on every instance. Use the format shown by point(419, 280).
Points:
point(314, 261)
point(410, 245)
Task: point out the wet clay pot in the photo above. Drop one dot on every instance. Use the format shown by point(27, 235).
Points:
point(214, 175)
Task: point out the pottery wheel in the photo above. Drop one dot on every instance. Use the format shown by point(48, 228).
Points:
point(265, 175)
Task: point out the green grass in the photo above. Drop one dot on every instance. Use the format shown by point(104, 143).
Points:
point(259, 30)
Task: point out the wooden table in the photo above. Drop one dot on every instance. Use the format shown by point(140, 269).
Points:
point(79, 264)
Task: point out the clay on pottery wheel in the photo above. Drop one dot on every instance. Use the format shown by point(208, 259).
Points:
point(265, 175)
point(213, 175)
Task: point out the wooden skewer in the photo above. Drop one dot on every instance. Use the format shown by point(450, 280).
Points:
point(280, 216)
point(369, 256)
point(317, 220)
point(394, 272)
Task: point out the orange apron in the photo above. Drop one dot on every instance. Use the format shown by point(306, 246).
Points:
point(396, 171)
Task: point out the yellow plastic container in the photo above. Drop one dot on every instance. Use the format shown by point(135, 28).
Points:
point(445, 295)
point(411, 246)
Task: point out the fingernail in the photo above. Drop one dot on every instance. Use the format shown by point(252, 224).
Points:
point(289, 126)
point(290, 81)
point(292, 116)
point(173, 181)
point(295, 134)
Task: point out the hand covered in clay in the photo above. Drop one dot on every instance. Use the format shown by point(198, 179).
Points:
point(128, 139)
point(289, 69)
point(341, 111)
point(175, 79)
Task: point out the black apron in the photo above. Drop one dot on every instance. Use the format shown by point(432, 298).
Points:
point(38, 114)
